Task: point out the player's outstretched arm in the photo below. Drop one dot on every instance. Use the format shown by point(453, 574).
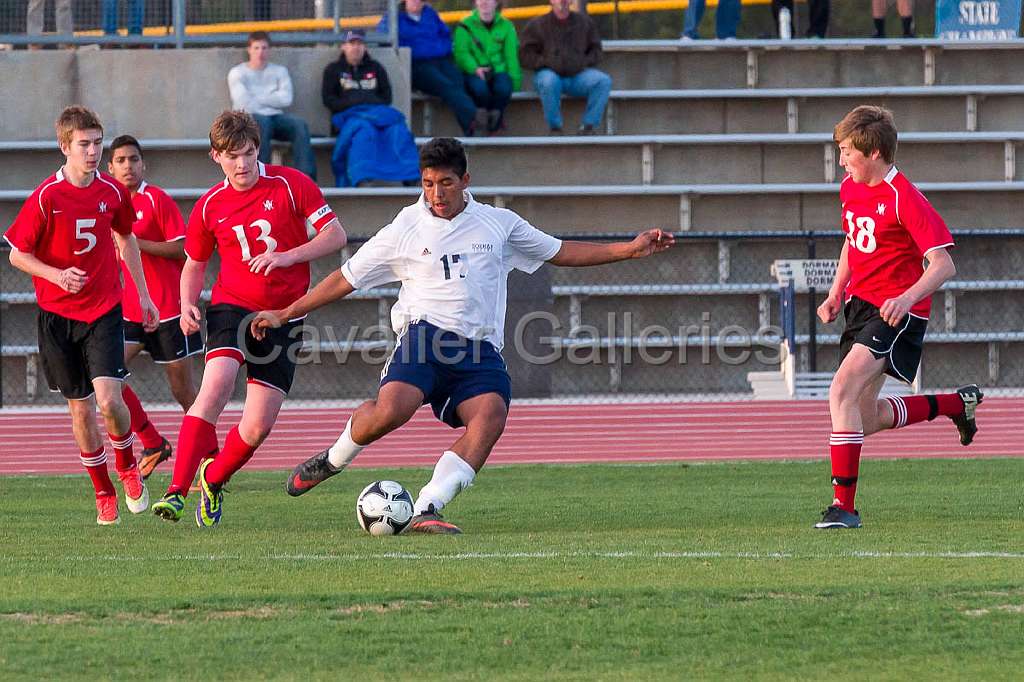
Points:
point(132, 257)
point(580, 254)
point(833, 303)
point(70, 280)
point(330, 289)
point(191, 286)
point(940, 268)
point(330, 239)
point(175, 250)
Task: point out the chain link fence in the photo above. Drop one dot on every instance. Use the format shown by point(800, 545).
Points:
point(694, 322)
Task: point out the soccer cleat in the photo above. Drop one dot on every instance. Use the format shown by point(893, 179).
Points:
point(210, 498)
point(171, 506)
point(310, 473)
point(151, 457)
point(106, 510)
point(837, 517)
point(965, 423)
point(136, 497)
point(432, 522)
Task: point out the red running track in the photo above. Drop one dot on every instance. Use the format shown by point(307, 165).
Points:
point(41, 442)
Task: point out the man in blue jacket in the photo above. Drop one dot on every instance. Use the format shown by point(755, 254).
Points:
point(433, 70)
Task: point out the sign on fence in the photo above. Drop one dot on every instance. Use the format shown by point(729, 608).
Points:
point(977, 19)
point(805, 274)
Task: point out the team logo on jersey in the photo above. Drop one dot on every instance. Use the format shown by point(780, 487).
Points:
point(483, 247)
point(138, 215)
point(426, 252)
point(103, 207)
point(268, 205)
point(881, 209)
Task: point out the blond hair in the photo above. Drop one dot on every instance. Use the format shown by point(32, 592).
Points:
point(74, 118)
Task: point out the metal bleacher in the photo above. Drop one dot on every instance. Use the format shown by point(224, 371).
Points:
point(727, 144)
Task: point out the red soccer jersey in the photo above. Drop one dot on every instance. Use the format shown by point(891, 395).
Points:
point(283, 210)
point(157, 219)
point(889, 228)
point(66, 226)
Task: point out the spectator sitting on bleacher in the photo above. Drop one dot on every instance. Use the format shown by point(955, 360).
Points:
point(433, 71)
point(563, 47)
point(487, 51)
point(374, 143)
point(264, 90)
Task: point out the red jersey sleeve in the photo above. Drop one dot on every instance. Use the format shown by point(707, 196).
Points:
point(28, 227)
point(310, 203)
point(199, 240)
point(171, 222)
point(124, 216)
point(923, 222)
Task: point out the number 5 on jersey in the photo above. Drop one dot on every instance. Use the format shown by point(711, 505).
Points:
point(264, 236)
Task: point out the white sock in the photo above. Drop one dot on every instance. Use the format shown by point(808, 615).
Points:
point(451, 476)
point(345, 449)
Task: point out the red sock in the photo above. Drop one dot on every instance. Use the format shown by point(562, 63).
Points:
point(845, 450)
point(232, 457)
point(197, 439)
point(124, 460)
point(917, 408)
point(140, 420)
point(95, 464)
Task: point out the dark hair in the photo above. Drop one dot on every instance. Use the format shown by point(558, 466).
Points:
point(232, 130)
point(258, 35)
point(444, 152)
point(125, 141)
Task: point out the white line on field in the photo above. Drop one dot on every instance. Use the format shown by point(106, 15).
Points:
point(469, 556)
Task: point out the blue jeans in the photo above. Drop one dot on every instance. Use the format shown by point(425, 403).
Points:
point(136, 9)
point(441, 78)
point(492, 94)
point(590, 83)
point(727, 18)
point(287, 128)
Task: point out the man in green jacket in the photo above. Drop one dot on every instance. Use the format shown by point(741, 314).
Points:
point(487, 51)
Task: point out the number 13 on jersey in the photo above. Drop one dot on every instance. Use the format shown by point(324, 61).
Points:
point(264, 236)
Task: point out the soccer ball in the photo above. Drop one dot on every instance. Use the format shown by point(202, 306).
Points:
point(384, 508)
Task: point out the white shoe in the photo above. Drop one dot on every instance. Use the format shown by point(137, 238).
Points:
point(134, 485)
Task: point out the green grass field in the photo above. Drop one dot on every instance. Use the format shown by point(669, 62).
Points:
point(567, 572)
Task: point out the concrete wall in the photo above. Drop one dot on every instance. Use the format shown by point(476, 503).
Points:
point(158, 93)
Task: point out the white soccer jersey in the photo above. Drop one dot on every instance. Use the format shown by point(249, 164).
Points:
point(453, 272)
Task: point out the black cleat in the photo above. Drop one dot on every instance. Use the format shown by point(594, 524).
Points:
point(432, 522)
point(310, 473)
point(965, 424)
point(151, 457)
point(837, 517)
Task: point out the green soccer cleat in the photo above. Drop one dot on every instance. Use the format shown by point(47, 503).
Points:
point(171, 506)
point(210, 498)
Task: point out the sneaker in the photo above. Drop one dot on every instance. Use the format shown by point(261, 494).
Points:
point(432, 522)
point(171, 506)
point(151, 457)
point(965, 424)
point(587, 129)
point(310, 473)
point(494, 121)
point(106, 510)
point(136, 497)
point(555, 132)
point(837, 517)
point(210, 498)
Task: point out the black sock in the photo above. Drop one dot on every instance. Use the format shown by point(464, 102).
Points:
point(908, 26)
point(880, 28)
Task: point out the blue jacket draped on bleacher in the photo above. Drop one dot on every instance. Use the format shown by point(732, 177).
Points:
point(374, 143)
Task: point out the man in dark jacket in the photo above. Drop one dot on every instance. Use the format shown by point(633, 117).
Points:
point(374, 143)
point(563, 47)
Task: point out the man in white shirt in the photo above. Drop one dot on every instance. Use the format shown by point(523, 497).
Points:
point(264, 90)
point(452, 256)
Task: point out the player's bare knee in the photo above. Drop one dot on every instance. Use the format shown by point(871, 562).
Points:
point(254, 433)
point(110, 405)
